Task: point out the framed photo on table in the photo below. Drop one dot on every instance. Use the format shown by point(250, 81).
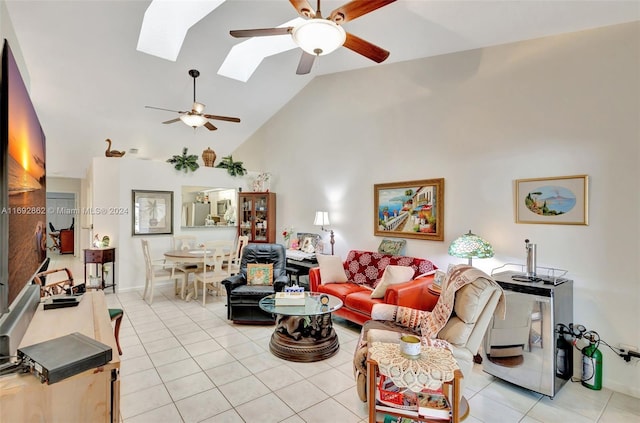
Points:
point(308, 242)
point(413, 209)
point(152, 212)
point(561, 200)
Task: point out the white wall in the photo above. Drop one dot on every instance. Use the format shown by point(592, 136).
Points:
point(562, 105)
point(7, 32)
point(113, 179)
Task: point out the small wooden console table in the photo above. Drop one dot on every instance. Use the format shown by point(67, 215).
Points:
point(100, 256)
point(90, 396)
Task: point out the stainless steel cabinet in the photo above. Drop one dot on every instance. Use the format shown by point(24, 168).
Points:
point(526, 348)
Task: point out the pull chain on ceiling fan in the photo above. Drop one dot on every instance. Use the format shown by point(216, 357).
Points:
point(195, 118)
point(319, 36)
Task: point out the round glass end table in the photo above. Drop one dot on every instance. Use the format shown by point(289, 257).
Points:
point(304, 332)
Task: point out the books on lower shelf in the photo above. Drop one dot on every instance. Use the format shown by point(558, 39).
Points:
point(397, 419)
point(428, 403)
point(434, 404)
point(290, 298)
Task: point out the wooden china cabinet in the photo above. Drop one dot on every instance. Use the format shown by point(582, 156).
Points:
point(257, 216)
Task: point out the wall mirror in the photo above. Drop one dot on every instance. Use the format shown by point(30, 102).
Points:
point(208, 207)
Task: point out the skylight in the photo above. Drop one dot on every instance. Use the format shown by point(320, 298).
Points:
point(244, 58)
point(166, 23)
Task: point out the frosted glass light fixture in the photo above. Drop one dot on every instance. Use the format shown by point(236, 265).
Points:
point(319, 36)
point(470, 246)
point(194, 121)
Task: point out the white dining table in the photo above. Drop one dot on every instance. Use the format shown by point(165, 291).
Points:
point(190, 256)
point(185, 256)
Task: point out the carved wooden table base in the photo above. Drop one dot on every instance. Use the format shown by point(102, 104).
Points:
point(304, 338)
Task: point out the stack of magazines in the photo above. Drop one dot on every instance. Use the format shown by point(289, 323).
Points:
point(290, 298)
point(426, 403)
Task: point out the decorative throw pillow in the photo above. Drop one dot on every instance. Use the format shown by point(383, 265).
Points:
point(392, 275)
point(331, 269)
point(260, 274)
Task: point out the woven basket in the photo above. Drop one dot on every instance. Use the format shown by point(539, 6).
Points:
point(209, 157)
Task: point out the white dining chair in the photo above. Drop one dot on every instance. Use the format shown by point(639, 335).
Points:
point(185, 243)
point(236, 257)
point(155, 271)
point(216, 255)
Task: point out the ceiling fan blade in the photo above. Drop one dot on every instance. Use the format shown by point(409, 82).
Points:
point(225, 118)
point(263, 32)
point(305, 63)
point(166, 110)
point(355, 9)
point(210, 126)
point(304, 8)
point(172, 120)
point(365, 48)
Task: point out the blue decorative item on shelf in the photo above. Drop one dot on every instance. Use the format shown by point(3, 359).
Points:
point(293, 288)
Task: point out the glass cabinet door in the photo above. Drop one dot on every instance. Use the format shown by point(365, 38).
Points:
point(246, 217)
point(261, 218)
point(257, 216)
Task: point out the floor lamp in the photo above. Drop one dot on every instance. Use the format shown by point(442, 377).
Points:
point(321, 219)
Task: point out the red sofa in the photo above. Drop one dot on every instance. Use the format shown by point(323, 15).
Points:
point(364, 270)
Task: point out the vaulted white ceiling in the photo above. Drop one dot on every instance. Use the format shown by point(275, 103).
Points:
point(89, 82)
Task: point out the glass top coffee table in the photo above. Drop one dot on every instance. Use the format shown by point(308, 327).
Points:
point(303, 333)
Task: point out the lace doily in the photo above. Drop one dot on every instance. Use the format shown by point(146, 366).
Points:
point(429, 371)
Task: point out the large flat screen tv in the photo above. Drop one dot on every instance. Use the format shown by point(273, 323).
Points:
point(22, 190)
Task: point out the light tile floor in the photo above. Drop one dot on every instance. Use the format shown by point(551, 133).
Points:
point(183, 362)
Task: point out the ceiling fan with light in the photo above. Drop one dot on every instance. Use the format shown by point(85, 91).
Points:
point(195, 118)
point(318, 36)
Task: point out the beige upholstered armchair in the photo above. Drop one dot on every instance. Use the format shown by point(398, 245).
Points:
point(473, 310)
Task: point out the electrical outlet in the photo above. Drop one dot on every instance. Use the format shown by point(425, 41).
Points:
point(626, 347)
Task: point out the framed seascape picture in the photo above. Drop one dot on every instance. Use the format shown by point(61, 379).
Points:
point(561, 200)
point(152, 212)
point(413, 209)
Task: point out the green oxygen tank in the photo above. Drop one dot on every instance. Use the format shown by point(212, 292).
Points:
point(592, 366)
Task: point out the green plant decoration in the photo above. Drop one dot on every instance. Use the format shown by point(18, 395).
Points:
point(185, 162)
point(234, 168)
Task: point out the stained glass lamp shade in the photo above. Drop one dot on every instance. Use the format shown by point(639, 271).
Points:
point(470, 246)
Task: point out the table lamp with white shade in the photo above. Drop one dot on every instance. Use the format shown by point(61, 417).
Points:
point(322, 219)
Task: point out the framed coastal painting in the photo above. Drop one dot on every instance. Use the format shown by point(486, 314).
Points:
point(412, 209)
point(152, 212)
point(561, 200)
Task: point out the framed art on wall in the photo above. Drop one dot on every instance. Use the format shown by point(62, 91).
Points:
point(152, 212)
point(413, 209)
point(561, 200)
